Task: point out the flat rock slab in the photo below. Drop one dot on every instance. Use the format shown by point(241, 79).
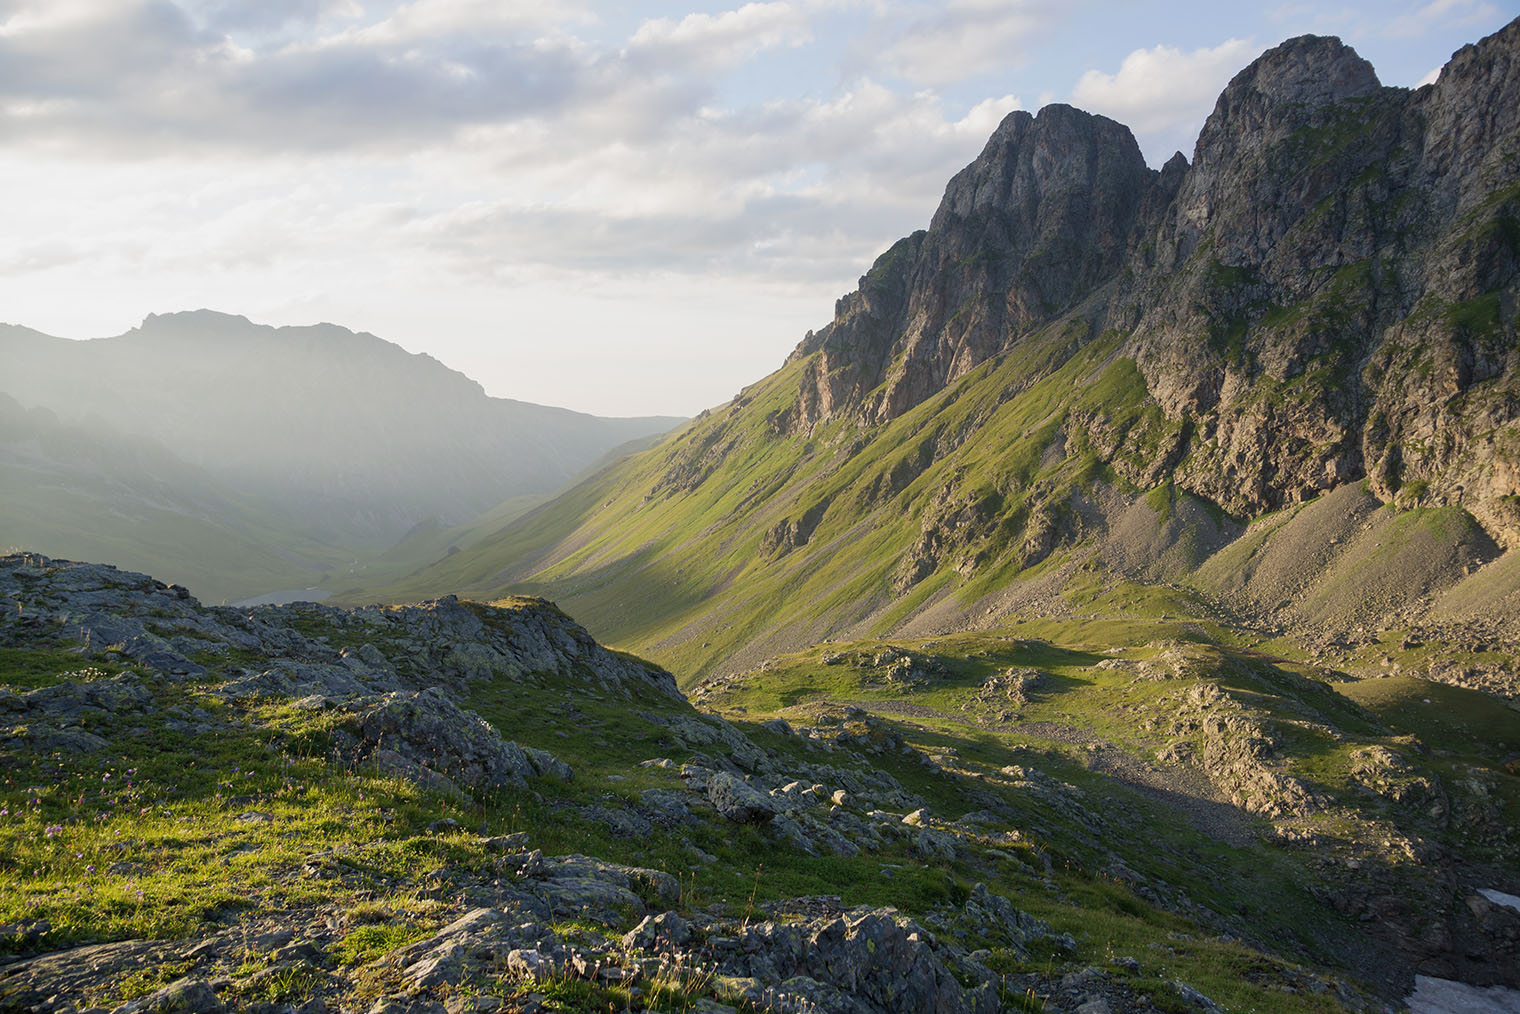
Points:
point(1500, 898)
point(72, 971)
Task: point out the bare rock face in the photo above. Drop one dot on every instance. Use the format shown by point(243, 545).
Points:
point(1327, 296)
point(737, 801)
point(427, 738)
point(1022, 235)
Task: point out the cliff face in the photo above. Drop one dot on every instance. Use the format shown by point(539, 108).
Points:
point(1331, 295)
point(1327, 293)
point(1024, 234)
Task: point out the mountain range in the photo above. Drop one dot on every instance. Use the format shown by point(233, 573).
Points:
point(1281, 375)
point(276, 453)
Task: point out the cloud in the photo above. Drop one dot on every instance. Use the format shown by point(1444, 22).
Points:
point(1162, 93)
point(1440, 12)
point(140, 75)
point(269, 17)
point(716, 41)
point(169, 154)
point(962, 38)
point(421, 20)
point(787, 190)
point(489, 152)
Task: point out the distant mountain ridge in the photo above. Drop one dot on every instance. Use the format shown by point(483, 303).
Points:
point(343, 427)
point(324, 436)
point(1087, 367)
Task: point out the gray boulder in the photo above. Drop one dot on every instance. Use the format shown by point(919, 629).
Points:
point(427, 738)
point(737, 801)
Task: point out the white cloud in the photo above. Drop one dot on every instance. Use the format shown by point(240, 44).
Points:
point(961, 38)
point(716, 41)
point(1162, 93)
point(1441, 12)
point(781, 190)
point(138, 76)
point(983, 118)
point(367, 165)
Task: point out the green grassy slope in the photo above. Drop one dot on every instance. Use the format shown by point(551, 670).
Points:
point(730, 536)
point(1292, 774)
point(1030, 480)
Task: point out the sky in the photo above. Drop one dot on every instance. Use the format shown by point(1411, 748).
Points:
point(620, 208)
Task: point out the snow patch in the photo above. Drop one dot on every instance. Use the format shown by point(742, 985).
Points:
point(1443, 996)
point(1500, 898)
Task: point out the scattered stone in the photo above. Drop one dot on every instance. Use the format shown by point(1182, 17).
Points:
point(1195, 999)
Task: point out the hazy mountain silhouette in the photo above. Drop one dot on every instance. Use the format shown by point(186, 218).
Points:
point(334, 437)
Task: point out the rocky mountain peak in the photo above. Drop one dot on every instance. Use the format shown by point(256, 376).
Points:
point(1023, 233)
point(1299, 85)
point(1327, 230)
point(1469, 117)
point(1291, 78)
point(1281, 90)
point(1029, 159)
point(193, 327)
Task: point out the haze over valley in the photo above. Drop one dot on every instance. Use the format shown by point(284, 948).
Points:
point(244, 459)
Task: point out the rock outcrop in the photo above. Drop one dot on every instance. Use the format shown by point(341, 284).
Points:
point(388, 707)
point(1023, 234)
point(369, 698)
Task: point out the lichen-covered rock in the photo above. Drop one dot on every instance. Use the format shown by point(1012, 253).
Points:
point(185, 996)
point(445, 643)
point(427, 737)
point(56, 718)
point(995, 918)
point(737, 800)
point(658, 932)
point(861, 964)
point(587, 887)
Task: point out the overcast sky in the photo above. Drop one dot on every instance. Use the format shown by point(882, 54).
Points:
point(623, 208)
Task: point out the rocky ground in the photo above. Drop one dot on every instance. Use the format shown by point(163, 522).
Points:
point(1393, 794)
point(454, 807)
point(502, 926)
